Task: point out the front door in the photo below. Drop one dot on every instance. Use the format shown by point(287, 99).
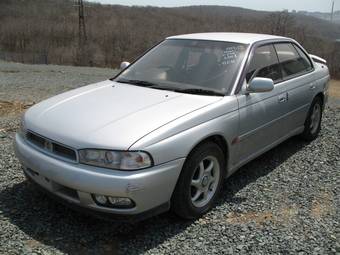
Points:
point(262, 115)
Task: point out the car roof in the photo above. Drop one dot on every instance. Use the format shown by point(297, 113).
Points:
point(244, 38)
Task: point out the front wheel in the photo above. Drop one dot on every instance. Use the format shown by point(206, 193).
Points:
point(313, 121)
point(200, 181)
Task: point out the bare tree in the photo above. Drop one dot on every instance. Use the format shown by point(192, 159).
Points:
point(280, 23)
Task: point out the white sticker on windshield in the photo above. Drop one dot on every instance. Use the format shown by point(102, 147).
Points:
point(231, 54)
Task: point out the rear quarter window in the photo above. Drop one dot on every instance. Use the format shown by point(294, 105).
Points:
point(305, 60)
point(293, 60)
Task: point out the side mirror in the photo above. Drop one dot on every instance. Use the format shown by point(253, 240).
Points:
point(259, 85)
point(124, 65)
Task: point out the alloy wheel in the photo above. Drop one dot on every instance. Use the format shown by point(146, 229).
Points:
point(315, 118)
point(205, 181)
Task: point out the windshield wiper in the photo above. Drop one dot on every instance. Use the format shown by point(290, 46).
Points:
point(137, 82)
point(145, 84)
point(200, 92)
point(157, 86)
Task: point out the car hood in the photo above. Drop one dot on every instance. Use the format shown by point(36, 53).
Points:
point(109, 115)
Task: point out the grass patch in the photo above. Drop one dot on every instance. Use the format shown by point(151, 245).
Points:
point(13, 108)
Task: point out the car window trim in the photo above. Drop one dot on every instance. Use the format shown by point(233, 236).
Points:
point(253, 47)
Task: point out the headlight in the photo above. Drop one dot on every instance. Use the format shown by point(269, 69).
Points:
point(121, 160)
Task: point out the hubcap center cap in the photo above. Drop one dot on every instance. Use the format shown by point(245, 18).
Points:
point(205, 181)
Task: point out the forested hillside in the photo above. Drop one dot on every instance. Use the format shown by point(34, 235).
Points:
point(46, 31)
point(325, 16)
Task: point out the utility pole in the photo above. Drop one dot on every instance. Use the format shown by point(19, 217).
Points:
point(82, 37)
point(82, 29)
point(332, 12)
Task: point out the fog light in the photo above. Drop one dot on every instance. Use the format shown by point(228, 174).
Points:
point(100, 199)
point(122, 202)
point(113, 202)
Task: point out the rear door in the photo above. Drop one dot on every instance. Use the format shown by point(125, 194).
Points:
point(298, 81)
point(262, 115)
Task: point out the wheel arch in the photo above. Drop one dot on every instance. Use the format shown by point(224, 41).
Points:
point(322, 97)
point(219, 140)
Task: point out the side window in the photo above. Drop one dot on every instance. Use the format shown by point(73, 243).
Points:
point(291, 61)
point(304, 59)
point(264, 64)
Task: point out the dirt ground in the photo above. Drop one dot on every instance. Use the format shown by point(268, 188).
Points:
point(334, 89)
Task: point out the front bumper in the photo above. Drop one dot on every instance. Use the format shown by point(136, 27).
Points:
point(149, 189)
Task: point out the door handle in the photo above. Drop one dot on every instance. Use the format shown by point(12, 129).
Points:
point(283, 98)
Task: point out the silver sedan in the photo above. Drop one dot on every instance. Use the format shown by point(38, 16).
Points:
point(168, 129)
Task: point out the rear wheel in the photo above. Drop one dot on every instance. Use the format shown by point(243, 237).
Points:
point(313, 121)
point(200, 181)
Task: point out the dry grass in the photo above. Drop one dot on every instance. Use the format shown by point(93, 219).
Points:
point(322, 206)
point(243, 218)
point(282, 215)
point(334, 89)
point(13, 108)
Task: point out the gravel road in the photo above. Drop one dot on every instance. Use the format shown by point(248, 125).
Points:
point(285, 202)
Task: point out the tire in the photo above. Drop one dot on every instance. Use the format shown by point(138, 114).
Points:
point(313, 120)
point(203, 171)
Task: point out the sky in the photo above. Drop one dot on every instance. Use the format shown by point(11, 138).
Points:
point(268, 5)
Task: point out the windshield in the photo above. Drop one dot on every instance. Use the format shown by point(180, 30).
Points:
point(187, 66)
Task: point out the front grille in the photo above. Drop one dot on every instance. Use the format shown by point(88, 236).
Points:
point(51, 147)
point(62, 151)
point(37, 140)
